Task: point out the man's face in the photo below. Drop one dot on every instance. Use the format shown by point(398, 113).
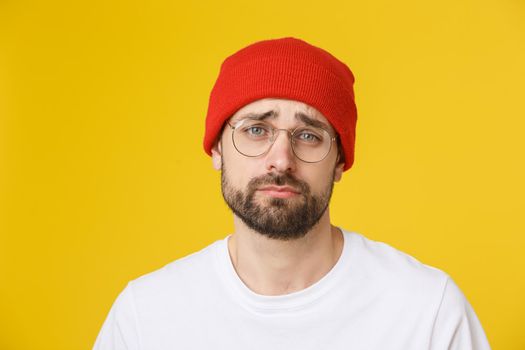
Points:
point(277, 194)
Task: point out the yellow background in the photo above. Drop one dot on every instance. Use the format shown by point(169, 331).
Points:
point(103, 177)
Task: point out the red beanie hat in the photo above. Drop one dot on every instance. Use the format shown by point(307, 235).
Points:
point(285, 68)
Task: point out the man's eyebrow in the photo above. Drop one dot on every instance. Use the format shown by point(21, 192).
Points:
point(257, 116)
point(305, 118)
point(308, 120)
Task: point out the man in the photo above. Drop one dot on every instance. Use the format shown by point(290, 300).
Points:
point(281, 127)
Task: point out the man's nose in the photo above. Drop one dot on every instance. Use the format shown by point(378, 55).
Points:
point(280, 157)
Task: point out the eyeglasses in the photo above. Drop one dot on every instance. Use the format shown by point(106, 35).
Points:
point(253, 138)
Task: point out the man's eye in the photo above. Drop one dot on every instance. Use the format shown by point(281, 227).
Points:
point(308, 136)
point(256, 130)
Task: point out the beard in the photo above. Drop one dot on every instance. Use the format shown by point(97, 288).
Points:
point(277, 218)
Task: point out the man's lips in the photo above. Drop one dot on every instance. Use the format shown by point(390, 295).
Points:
point(279, 191)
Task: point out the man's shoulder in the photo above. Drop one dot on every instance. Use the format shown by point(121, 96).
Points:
point(380, 261)
point(179, 273)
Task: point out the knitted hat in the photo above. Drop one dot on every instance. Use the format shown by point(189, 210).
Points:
point(285, 68)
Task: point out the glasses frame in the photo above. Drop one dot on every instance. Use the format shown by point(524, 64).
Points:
point(274, 132)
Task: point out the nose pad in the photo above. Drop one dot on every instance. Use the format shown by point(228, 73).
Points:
point(279, 158)
point(276, 134)
point(287, 137)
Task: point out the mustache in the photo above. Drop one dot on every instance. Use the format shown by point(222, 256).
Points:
point(278, 180)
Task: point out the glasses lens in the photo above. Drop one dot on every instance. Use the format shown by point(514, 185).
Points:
point(252, 138)
point(311, 144)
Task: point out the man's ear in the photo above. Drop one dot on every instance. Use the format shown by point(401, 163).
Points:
point(216, 155)
point(338, 171)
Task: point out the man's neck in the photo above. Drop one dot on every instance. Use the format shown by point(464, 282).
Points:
point(276, 267)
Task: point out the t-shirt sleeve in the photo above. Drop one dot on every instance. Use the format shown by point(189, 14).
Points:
point(120, 331)
point(457, 327)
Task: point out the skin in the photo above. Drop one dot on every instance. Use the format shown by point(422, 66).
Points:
point(271, 266)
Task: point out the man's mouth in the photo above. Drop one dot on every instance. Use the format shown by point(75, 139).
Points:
point(278, 191)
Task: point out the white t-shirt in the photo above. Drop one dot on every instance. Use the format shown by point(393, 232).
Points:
point(374, 298)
